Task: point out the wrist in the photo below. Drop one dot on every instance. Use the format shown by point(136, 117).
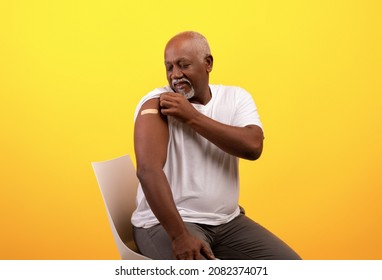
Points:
point(196, 118)
point(178, 234)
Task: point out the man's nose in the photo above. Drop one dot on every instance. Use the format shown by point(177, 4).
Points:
point(176, 73)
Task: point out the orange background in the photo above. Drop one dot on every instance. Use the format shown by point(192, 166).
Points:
point(72, 72)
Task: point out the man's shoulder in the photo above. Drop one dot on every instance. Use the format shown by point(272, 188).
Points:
point(155, 93)
point(151, 95)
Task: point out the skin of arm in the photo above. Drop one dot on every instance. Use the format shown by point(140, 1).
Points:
point(150, 140)
point(244, 142)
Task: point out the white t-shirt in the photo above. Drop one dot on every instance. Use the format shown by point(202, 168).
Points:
point(204, 179)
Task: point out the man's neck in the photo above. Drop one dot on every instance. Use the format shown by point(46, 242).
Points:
point(202, 98)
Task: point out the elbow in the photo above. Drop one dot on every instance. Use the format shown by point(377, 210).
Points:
point(142, 171)
point(253, 143)
point(254, 152)
point(253, 155)
point(145, 172)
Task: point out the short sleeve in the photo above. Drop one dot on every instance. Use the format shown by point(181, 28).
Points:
point(151, 95)
point(245, 110)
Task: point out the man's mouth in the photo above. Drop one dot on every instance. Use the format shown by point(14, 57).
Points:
point(181, 85)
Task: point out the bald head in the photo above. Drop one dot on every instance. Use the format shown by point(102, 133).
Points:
point(198, 41)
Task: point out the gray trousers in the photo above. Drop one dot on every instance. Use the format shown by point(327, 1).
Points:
point(240, 239)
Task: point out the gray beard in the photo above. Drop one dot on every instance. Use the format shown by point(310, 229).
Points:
point(189, 94)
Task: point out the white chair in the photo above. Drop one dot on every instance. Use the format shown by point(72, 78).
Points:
point(118, 183)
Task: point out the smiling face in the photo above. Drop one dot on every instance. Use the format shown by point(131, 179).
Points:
point(188, 66)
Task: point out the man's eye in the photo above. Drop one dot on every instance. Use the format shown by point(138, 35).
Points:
point(183, 66)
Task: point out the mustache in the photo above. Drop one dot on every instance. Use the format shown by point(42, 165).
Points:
point(176, 81)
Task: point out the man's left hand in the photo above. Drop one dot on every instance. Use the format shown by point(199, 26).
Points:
point(176, 105)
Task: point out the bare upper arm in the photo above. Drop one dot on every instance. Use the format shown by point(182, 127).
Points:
point(151, 135)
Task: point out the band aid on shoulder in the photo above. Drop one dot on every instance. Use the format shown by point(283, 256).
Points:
point(149, 111)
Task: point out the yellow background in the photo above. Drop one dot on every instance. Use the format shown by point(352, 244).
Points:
point(72, 72)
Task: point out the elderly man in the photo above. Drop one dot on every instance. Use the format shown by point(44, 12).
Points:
point(188, 138)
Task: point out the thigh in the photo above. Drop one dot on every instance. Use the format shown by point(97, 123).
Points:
point(155, 243)
point(243, 238)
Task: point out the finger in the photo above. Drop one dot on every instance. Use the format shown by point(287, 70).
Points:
point(165, 111)
point(166, 103)
point(207, 252)
point(184, 256)
point(170, 96)
point(199, 256)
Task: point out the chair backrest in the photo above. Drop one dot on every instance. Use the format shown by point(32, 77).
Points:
point(118, 184)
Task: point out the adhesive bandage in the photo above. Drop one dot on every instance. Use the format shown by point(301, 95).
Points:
point(149, 111)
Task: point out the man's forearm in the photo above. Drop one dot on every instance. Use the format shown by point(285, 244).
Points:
point(243, 142)
point(159, 197)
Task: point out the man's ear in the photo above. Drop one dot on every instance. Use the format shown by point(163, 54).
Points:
point(209, 61)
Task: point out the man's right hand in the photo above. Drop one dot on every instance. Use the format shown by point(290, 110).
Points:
point(188, 247)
